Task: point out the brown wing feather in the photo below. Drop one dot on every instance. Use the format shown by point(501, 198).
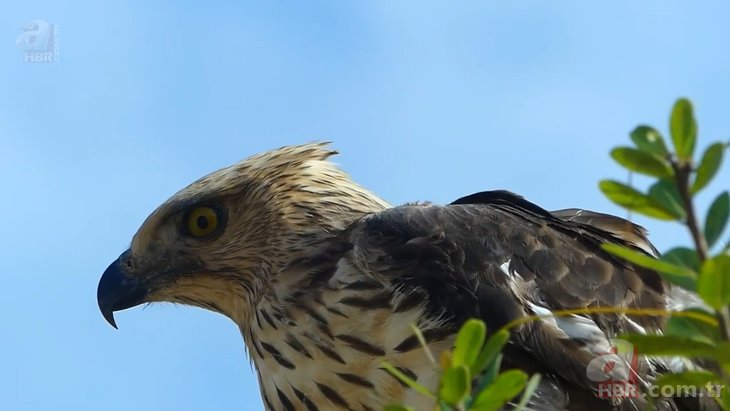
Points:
point(627, 231)
point(456, 256)
point(562, 251)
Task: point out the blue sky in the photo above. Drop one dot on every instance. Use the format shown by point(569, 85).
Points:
point(425, 101)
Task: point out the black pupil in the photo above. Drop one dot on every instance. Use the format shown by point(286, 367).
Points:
point(202, 222)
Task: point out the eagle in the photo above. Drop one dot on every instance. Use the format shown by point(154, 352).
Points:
point(325, 279)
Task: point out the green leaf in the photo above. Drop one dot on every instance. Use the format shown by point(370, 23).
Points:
point(632, 199)
point(710, 163)
point(620, 193)
point(704, 331)
point(469, 343)
point(642, 162)
point(445, 359)
point(490, 351)
point(724, 398)
point(395, 407)
point(677, 274)
point(694, 378)
point(529, 390)
point(683, 127)
point(491, 372)
point(717, 217)
point(723, 353)
point(455, 384)
point(666, 345)
point(682, 256)
point(665, 193)
point(649, 140)
point(713, 285)
point(406, 380)
point(502, 390)
point(489, 375)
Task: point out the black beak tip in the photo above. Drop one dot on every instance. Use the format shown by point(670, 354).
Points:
point(106, 301)
point(118, 291)
point(109, 316)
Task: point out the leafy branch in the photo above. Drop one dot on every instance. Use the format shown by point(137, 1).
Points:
point(679, 179)
point(474, 363)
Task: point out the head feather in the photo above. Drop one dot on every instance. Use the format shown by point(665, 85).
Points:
point(276, 205)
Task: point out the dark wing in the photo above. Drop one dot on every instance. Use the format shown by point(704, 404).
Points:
point(627, 231)
point(611, 281)
point(498, 257)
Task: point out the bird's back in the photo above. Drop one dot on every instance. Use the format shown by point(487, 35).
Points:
point(492, 256)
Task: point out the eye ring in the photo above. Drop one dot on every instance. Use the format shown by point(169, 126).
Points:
point(202, 221)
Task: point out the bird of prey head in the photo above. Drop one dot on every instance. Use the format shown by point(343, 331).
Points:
point(221, 242)
point(324, 280)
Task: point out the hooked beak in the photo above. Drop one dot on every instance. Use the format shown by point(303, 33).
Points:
point(118, 290)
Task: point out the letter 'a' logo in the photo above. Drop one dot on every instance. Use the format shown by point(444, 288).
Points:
point(36, 36)
point(38, 41)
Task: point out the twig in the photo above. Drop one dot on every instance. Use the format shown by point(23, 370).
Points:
point(682, 172)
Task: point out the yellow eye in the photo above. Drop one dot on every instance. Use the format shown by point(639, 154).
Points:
point(202, 221)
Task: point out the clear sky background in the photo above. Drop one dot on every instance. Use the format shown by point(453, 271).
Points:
point(425, 101)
